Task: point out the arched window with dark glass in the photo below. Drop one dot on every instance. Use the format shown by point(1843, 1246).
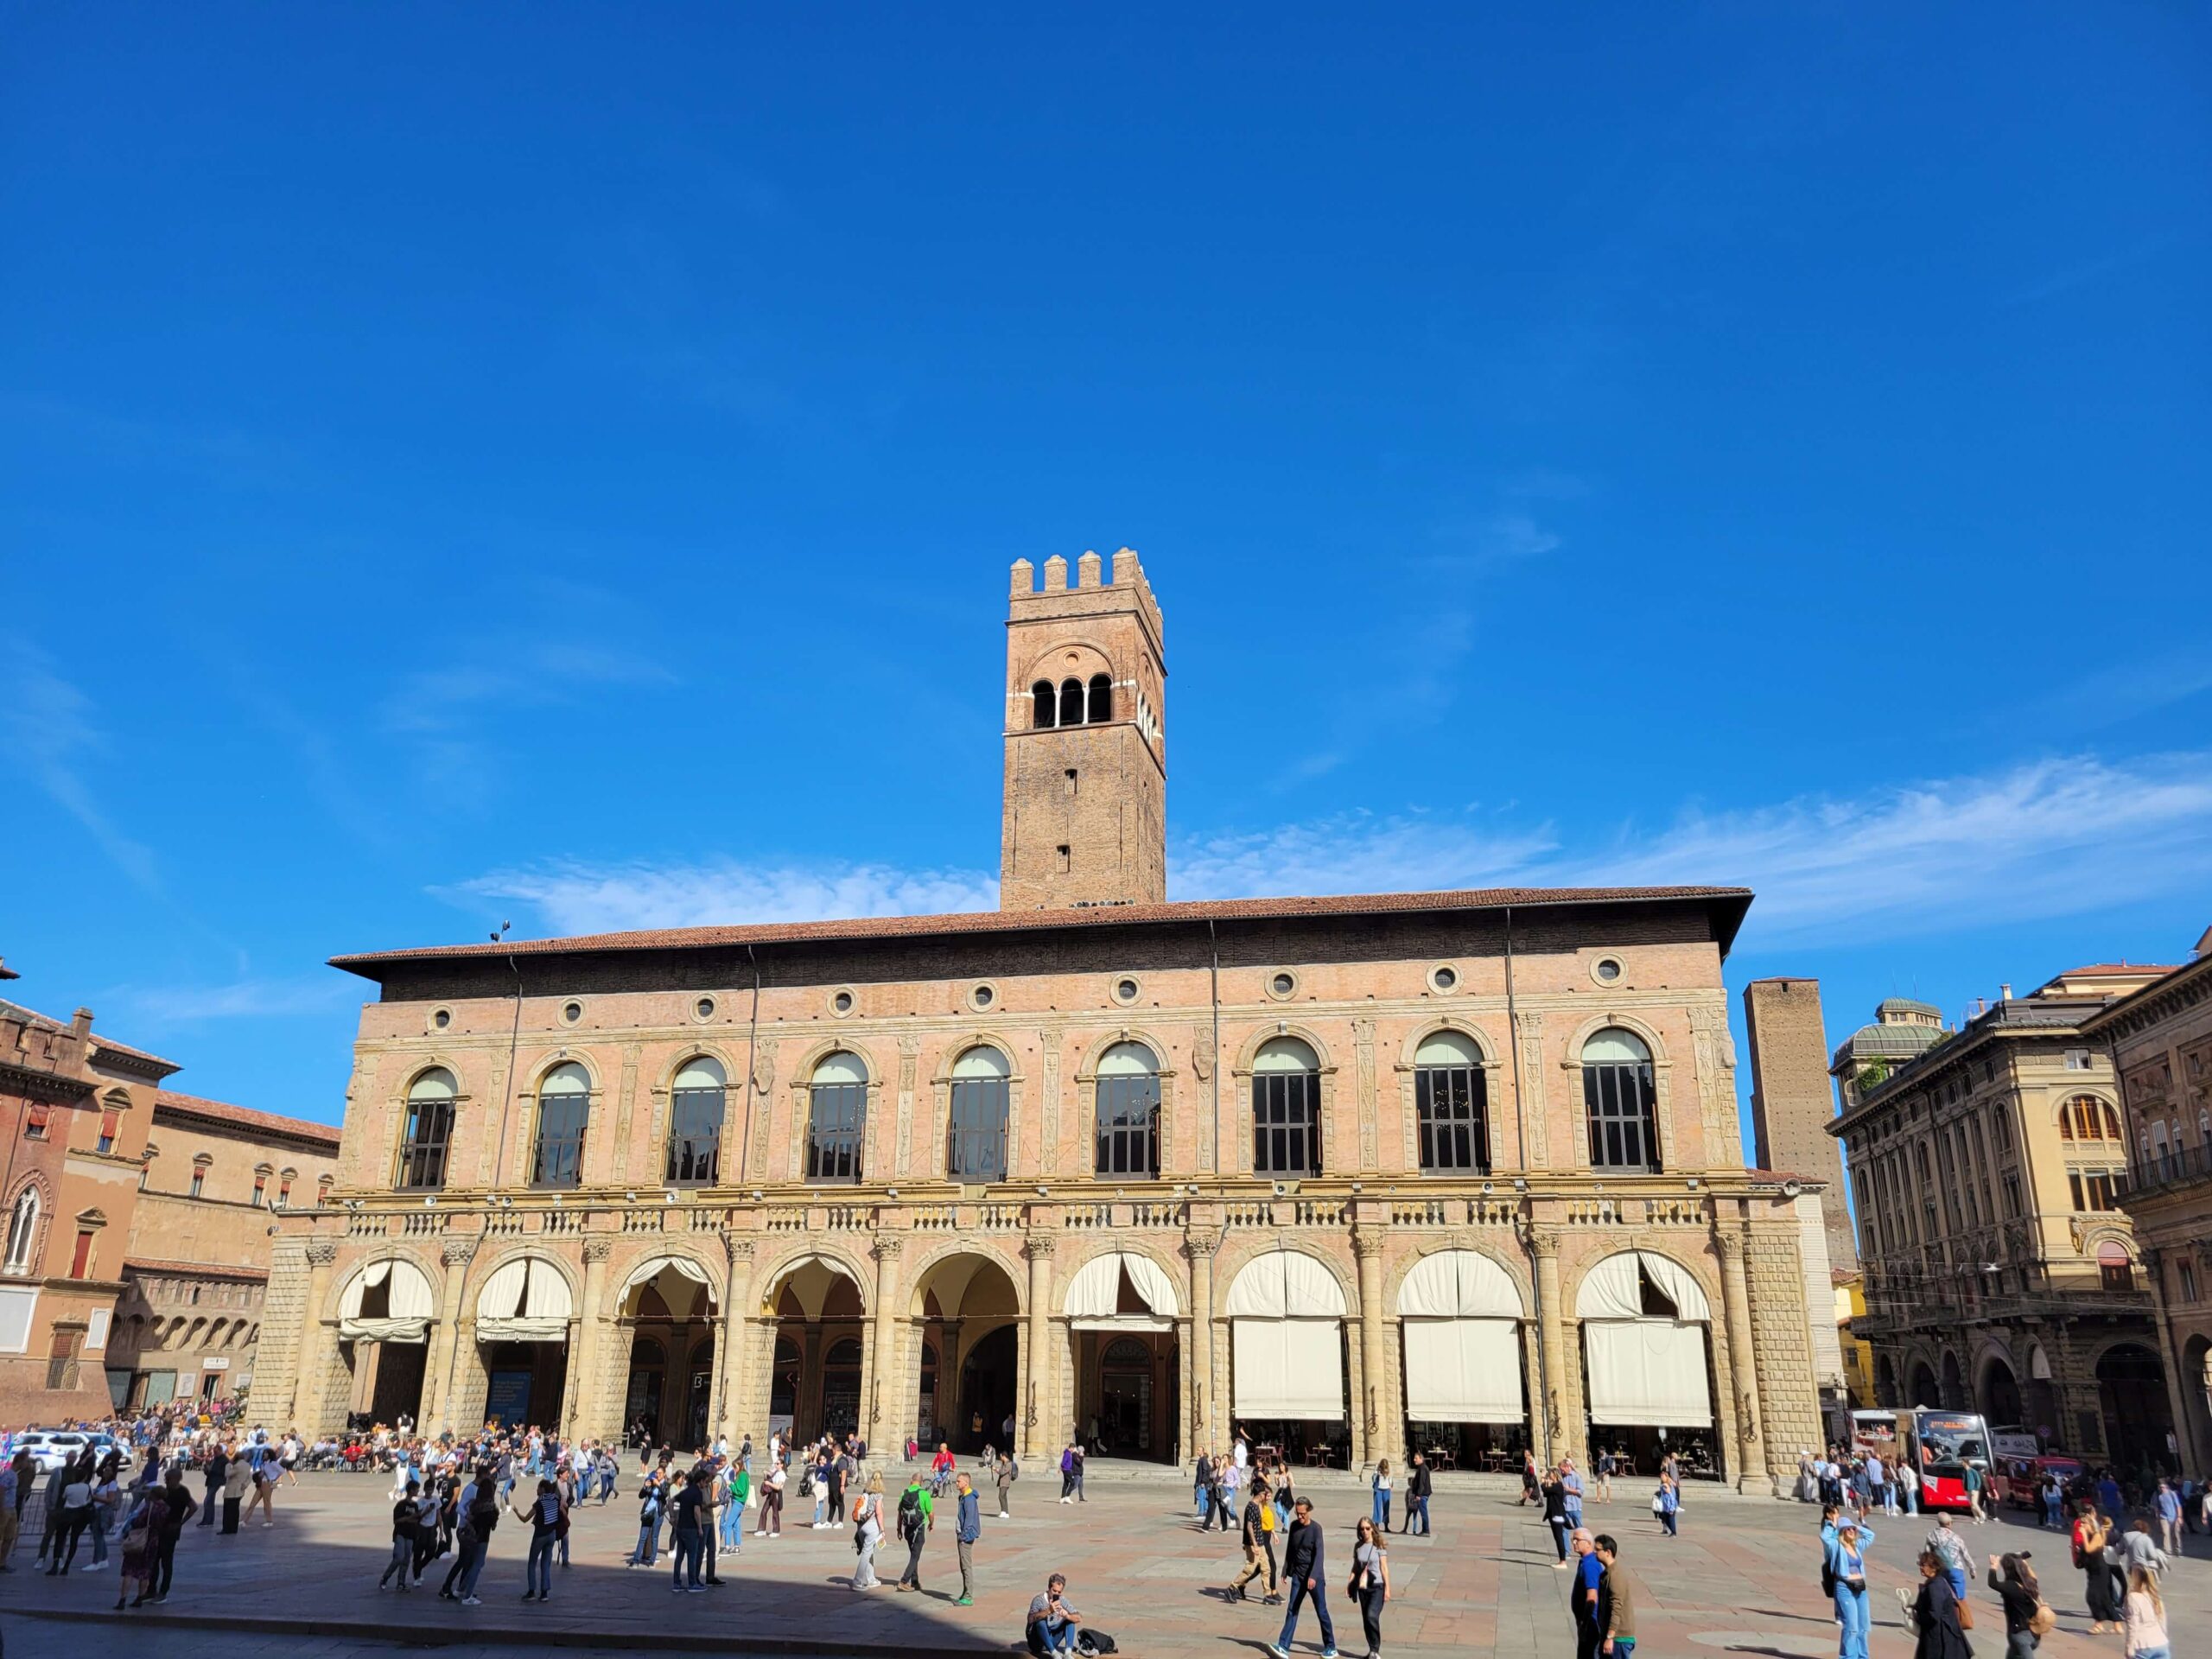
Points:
point(1071, 703)
point(1285, 1109)
point(694, 1122)
point(836, 1118)
point(1128, 1111)
point(1044, 706)
point(1102, 698)
point(563, 1107)
point(427, 1131)
point(975, 1142)
point(1617, 1099)
point(1452, 1103)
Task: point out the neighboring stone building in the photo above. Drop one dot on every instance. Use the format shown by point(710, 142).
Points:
point(2160, 1041)
point(74, 1106)
point(1455, 1169)
point(1986, 1175)
point(189, 1319)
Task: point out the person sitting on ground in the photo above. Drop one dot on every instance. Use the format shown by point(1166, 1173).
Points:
point(1052, 1622)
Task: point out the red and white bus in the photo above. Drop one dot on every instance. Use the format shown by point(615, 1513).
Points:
point(1940, 1445)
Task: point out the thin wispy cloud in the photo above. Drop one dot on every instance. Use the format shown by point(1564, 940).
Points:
point(2049, 838)
point(250, 999)
point(49, 729)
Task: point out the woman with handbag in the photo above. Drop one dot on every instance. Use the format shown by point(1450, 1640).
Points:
point(1935, 1614)
point(2091, 1535)
point(1371, 1582)
point(2027, 1617)
point(1667, 1504)
point(868, 1532)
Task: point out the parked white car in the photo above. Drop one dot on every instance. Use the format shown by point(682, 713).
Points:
point(52, 1448)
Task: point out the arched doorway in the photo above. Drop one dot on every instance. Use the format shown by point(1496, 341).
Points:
point(522, 1341)
point(1954, 1386)
point(1123, 1304)
point(2000, 1394)
point(667, 1306)
point(1925, 1389)
point(815, 1308)
point(970, 1319)
point(2139, 1419)
point(1647, 1361)
point(384, 1327)
point(1460, 1322)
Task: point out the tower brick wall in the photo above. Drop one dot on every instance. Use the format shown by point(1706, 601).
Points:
point(1791, 1102)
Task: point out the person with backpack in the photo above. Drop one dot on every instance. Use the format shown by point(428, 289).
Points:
point(545, 1515)
point(868, 1532)
point(1008, 1472)
point(917, 1515)
point(1258, 1537)
point(967, 1527)
point(1052, 1624)
point(1302, 1565)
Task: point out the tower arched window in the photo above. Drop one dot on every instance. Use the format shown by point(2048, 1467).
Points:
point(694, 1122)
point(22, 1232)
point(1071, 703)
point(1044, 704)
point(2086, 1118)
point(836, 1118)
point(1128, 1111)
point(1617, 1099)
point(427, 1132)
point(1451, 1100)
point(976, 1141)
point(1102, 699)
point(563, 1108)
point(1285, 1109)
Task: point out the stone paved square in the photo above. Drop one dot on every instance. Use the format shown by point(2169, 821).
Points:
point(1742, 1579)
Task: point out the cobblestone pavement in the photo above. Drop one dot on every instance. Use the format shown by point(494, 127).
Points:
point(1742, 1579)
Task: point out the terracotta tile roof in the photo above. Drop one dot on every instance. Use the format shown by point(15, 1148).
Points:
point(245, 1117)
point(192, 1269)
point(2130, 969)
point(1734, 901)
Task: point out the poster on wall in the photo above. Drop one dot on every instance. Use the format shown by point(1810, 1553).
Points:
point(507, 1401)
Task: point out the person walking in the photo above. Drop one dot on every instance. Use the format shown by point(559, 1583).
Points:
point(406, 1513)
point(1067, 1478)
point(772, 1499)
point(868, 1532)
point(1977, 1481)
point(545, 1515)
point(1616, 1603)
point(169, 1528)
point(2090, 1538)
point(1007, 1473)
point(212, 1472)
point(2143, 1618)
point(76, 1514)
point(1935, 1614)
point(690, 1536)
point(1371, 1581)
point(261, 1476)
point(1418, 1488)
point(478, 1510)
point(2014, 1581)
point(1380, 1481)
point(1078, 1472)
point(1844, 1571)
point(1555, 1514)
point(917, 1515)
point(1582, 1596)
point(1951, 1550)
point(967, 1527)
point(1258, 1536)
point(1570, 1483)
point(1667, 1504)
point(2165, 1508)
point(650, 1498)
point(1302, 1565)
point(1909, 1486)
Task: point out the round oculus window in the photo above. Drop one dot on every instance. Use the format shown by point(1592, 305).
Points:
point(1443, 978)
point(1606, 970)
point(981, 997)
point(842, 1002)
point(572, 1012)
point(705, 1007)
point(1125, 991)
point(441, 1018)
point(1281, 984)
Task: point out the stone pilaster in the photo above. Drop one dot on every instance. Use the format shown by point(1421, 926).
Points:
point(1740, 1410)
point(1199, 1245)
point(883, 1362)
point(437, 1365)
point(1553, 1435)
point(589, 1415)
point(1040, 1415)
point(1374, 1432)
point(730, 1368)
point(317, 1338)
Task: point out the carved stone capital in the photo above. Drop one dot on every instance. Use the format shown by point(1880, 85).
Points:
point(321, 1252)
point(1039, 1246)
point(1543, 1244)
point(598, 1250)
point(888, 1249)
point(741, 1250)
point(1730, 1246)
point(459, 1252)
point(1200, 1244)
point(1366, 1245)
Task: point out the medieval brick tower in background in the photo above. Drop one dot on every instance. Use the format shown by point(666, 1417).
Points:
point(1791, 1100)
point(1085, 812)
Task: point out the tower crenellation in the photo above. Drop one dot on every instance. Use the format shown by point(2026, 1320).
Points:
point(1085, 797)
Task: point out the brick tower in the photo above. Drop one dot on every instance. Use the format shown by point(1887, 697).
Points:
point(1791, 1102)
point(1085, 814)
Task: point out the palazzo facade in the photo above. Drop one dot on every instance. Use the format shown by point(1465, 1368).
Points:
point(1455, 1170)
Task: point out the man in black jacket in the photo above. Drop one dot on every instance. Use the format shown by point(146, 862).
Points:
point(1417, 1487)
point(1303, 1569)
point(213, 1471)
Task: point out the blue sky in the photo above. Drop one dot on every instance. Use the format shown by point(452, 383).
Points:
point(561, 464)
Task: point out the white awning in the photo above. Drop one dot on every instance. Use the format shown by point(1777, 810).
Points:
point(1289, 1367)
point(1646, 1373)
point(1459, 1284)
point(1285, 1285)
point(1612, 1289)
point(409, 1308)
point(1095, 1292)
point(526, 1300)
point(1463, 1370)
point(652, 1267)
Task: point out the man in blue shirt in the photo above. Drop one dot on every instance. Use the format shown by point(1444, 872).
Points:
point(968, 1528)
point(1582, 1597)
point(1570, 1483)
